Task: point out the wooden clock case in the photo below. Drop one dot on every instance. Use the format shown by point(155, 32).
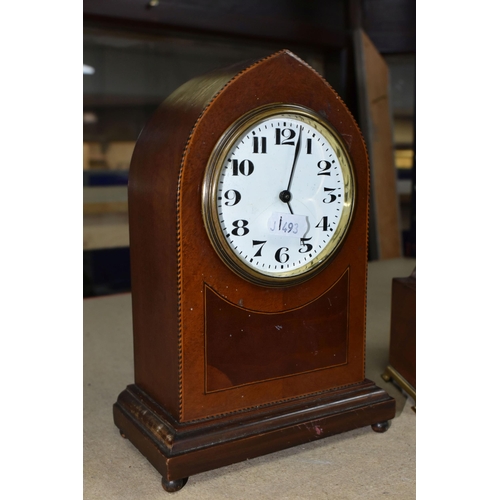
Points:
point(226, 370)
point(402, 367)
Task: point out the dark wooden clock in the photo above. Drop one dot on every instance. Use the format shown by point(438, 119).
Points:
point(248, 207)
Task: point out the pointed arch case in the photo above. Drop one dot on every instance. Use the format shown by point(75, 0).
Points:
point(227, 368)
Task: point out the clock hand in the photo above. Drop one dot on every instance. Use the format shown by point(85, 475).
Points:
point(286, 196)
point(296, 155)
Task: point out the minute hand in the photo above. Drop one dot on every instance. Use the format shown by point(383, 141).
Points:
point(296, 155)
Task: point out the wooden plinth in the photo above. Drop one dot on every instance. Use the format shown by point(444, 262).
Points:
point(181, 450)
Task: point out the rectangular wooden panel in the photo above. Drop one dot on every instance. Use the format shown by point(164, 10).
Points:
point(245, 346)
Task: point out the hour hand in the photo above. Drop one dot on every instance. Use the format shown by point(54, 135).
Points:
point(285, 197)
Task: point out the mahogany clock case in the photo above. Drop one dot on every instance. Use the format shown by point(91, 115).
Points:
point(226, 369)
point(402, 367)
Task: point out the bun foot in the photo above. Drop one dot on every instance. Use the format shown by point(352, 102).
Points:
point(122, 434)
point(172, 486)
point(380, 426)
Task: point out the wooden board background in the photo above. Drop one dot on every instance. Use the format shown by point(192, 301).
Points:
point(372, 74)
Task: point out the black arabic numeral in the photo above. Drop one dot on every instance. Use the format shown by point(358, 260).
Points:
point(233, 196)
point(259, 251)
point(244, 167)
point(281, 256)
point(262, 148)
point(240, 227)
point(287, 134)
point(324, 166)
point(331, 198)
point(323, 224)
point(307, 246)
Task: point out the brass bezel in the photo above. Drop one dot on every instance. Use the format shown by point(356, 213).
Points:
point(211, 179)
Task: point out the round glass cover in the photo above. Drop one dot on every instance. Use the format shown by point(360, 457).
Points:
point(278, 194)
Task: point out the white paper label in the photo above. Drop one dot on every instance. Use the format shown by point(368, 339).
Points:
point(284, 224)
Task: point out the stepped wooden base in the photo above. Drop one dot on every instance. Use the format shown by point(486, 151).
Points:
point(178, 451)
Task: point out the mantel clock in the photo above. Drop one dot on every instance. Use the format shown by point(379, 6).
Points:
point(248, 210)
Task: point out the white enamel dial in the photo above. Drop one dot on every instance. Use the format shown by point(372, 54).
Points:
point(280, 195)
